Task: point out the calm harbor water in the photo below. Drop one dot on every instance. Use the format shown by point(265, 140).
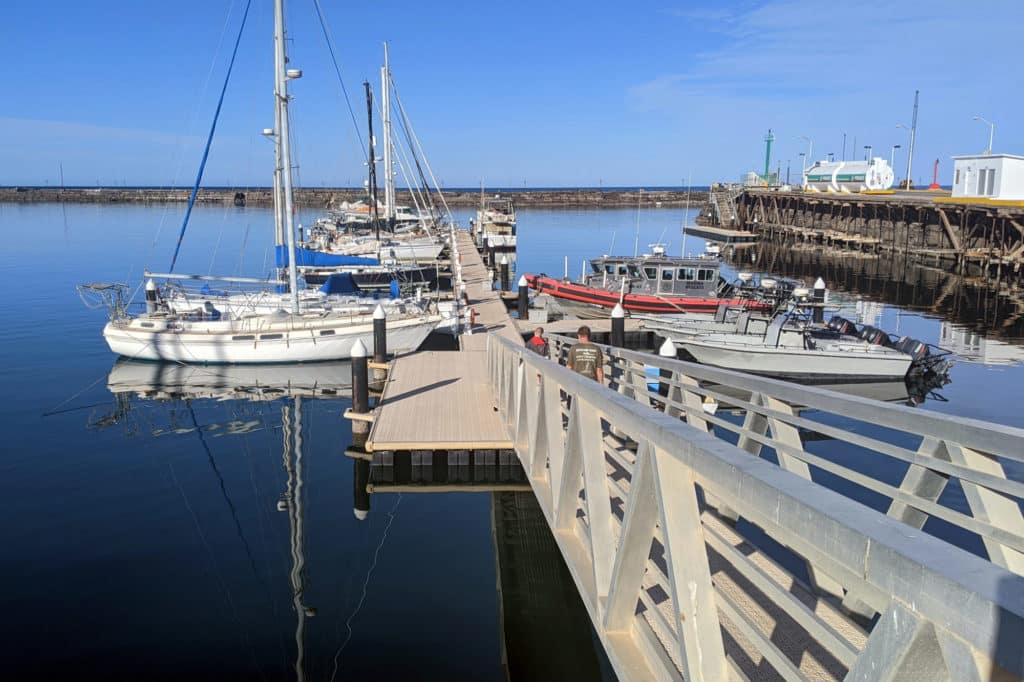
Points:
point(164, 526)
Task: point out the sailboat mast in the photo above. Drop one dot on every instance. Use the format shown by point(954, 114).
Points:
point(389, 175)
point(371, 161)
point(278, 198)
point(283, 74)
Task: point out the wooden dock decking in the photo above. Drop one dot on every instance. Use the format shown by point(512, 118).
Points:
point(443, 400)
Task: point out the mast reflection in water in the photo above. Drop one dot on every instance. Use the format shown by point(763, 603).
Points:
point(234, 413)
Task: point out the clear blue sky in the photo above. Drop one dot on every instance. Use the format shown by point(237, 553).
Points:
point(550, 93)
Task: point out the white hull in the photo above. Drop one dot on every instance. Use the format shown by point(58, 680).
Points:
point(421, 250)
point(259, 339)
point(850, 362)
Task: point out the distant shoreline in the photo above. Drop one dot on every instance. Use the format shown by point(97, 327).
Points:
point(327, 197)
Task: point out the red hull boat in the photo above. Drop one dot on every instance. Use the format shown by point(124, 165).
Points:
point(640, 303)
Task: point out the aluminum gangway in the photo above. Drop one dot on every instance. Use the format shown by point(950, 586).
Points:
point(724, 526)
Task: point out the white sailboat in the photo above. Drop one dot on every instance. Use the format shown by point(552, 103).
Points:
point(210, 335)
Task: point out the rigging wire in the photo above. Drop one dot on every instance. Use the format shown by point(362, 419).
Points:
point(407, 123)
point(366, 584)
point(337, 69)
point(209, 138)
point(192, 123)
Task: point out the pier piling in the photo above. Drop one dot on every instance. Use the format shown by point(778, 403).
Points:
point(524, 298)
point(618, 335)
point(503, 266)
point(819, 300)
point(666, 350)
point(360, 387)
point(380, 334)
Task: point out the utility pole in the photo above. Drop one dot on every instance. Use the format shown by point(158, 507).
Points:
point(768, 139)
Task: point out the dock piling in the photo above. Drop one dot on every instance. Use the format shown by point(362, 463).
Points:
point(360, 387)
point(666, 350)
point(380, 334)
point(618, 336)
point(524, 298)
point(505, 284)
point(819, 301)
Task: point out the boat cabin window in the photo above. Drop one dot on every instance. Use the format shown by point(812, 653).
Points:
point(610, 269)
point(705, 275)
point(666, 274)
point(651, 273)
point(622, 269)
point(687, 274)
point(634, 271)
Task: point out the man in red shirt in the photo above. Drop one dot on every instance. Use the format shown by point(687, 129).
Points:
point(537, 343)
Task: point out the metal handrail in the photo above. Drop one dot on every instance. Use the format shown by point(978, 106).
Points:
point(640, 502)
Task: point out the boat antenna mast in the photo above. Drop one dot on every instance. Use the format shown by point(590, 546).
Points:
point(636, 236)
point(283, 141)
point(686, 210)
point(371, 161)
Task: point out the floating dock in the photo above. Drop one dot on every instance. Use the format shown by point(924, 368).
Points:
point(443, 400)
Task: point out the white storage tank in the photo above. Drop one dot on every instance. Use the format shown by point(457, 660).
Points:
point(849, 176)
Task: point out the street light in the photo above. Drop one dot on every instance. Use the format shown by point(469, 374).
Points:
point(810, 147)
point(892, 156)
point(909, 158)
point(991, 131)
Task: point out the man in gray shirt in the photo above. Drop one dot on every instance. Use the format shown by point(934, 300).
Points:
point(585, 358)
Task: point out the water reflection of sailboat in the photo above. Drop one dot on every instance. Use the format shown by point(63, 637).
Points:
point(175, 381)
point(291, 501)
point(170, 383)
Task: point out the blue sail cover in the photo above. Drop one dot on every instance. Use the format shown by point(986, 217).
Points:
point(319, 259)
point(340, 283)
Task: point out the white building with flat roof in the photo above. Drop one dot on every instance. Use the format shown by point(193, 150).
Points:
point(990, 176)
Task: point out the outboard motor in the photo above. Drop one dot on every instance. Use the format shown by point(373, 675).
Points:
point(842, 326)
point(912, 347)
point(152, 297)
point(872, 335)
